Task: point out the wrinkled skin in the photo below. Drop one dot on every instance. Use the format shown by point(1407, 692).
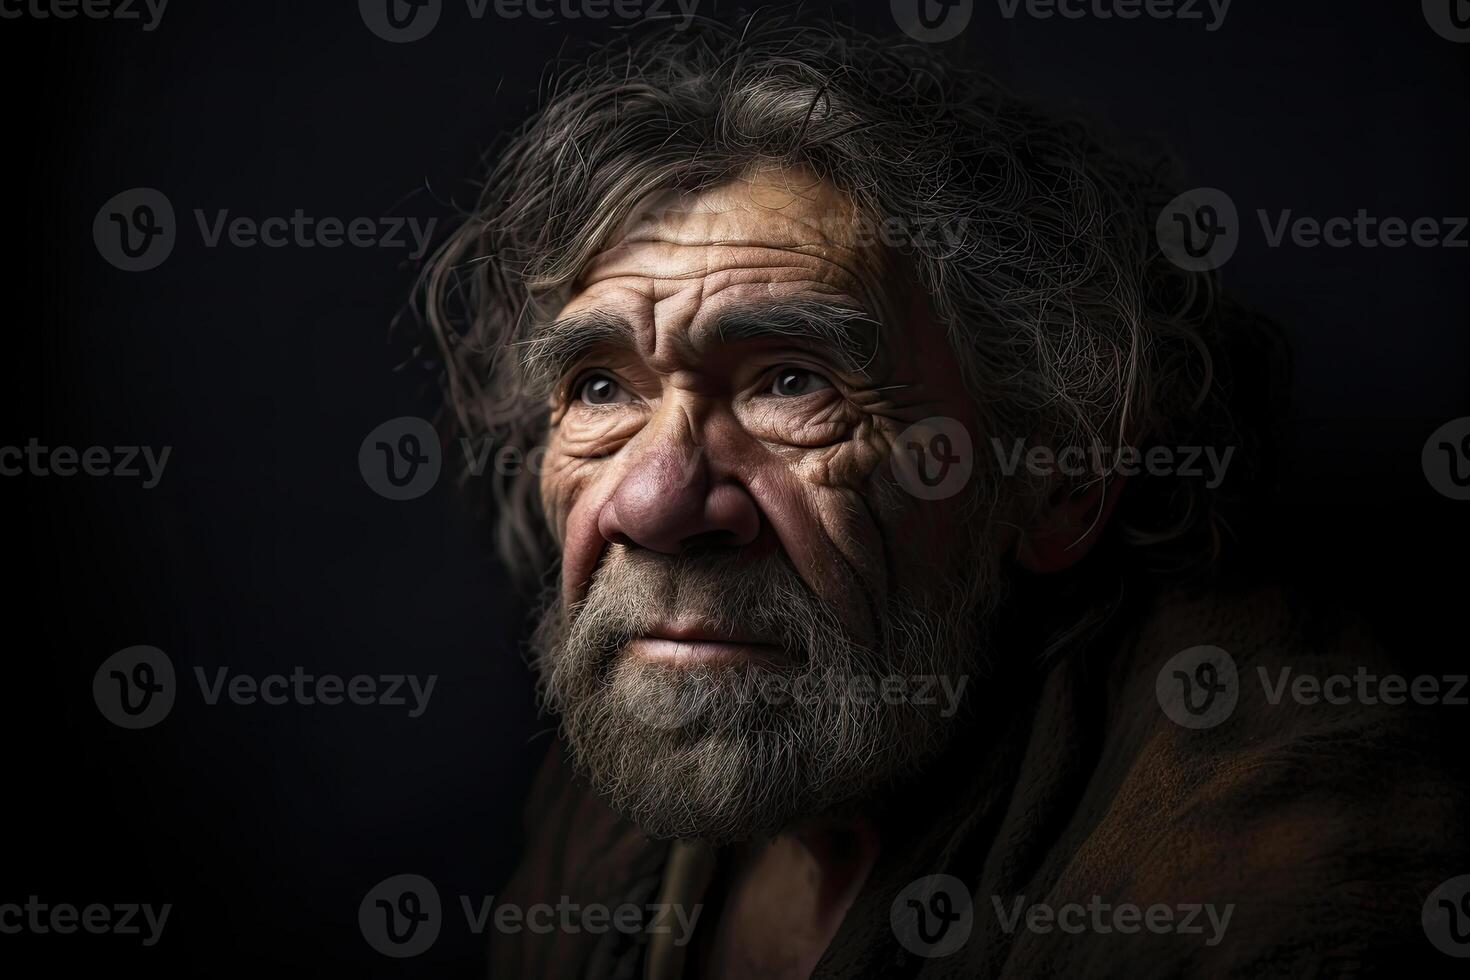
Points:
point(699, 441)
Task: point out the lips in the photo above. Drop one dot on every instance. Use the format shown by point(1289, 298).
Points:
point(690, 644)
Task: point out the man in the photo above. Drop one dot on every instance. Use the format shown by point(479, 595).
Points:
point(887, 467)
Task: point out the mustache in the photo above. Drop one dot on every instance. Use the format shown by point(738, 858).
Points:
point(728, 591)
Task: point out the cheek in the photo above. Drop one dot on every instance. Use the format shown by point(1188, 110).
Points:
point(822, 420)
point(891, 538)
point(581, 448)
point(820, 508)
point(572, 492)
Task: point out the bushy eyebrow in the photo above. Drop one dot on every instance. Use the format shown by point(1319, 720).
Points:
point(556, 345)
point(848, 335)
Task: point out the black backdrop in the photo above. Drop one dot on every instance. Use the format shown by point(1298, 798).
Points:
point(262, 548)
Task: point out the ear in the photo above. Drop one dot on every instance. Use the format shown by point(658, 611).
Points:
point(1070, 527)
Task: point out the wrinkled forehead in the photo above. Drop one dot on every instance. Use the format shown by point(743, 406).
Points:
point(770, 236)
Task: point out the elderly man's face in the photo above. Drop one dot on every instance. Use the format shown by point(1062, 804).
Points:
point(734, 376)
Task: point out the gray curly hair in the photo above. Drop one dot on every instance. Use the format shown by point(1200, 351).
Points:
point(1070, 324)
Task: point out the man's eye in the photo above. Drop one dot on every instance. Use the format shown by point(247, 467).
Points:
point(793, 381)
point(600, 389)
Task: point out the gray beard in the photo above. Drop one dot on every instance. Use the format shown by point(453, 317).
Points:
point(738, 752)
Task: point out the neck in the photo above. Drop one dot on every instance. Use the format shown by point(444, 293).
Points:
point(781, 903)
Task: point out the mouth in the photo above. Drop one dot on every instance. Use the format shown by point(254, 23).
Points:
point(689, 644)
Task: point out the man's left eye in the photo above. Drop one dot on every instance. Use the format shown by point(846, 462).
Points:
point(601, 389)
point(791, 382)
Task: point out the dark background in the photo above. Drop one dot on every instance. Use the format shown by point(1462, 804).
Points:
point(263, 549)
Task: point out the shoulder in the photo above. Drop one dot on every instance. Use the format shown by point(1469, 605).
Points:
point(1272, 755)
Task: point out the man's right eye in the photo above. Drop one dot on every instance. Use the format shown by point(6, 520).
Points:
point(601, 389)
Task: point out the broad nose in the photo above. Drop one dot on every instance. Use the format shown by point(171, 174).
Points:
point(673, 499)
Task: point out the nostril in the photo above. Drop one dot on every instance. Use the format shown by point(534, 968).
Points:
point(711, 539)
